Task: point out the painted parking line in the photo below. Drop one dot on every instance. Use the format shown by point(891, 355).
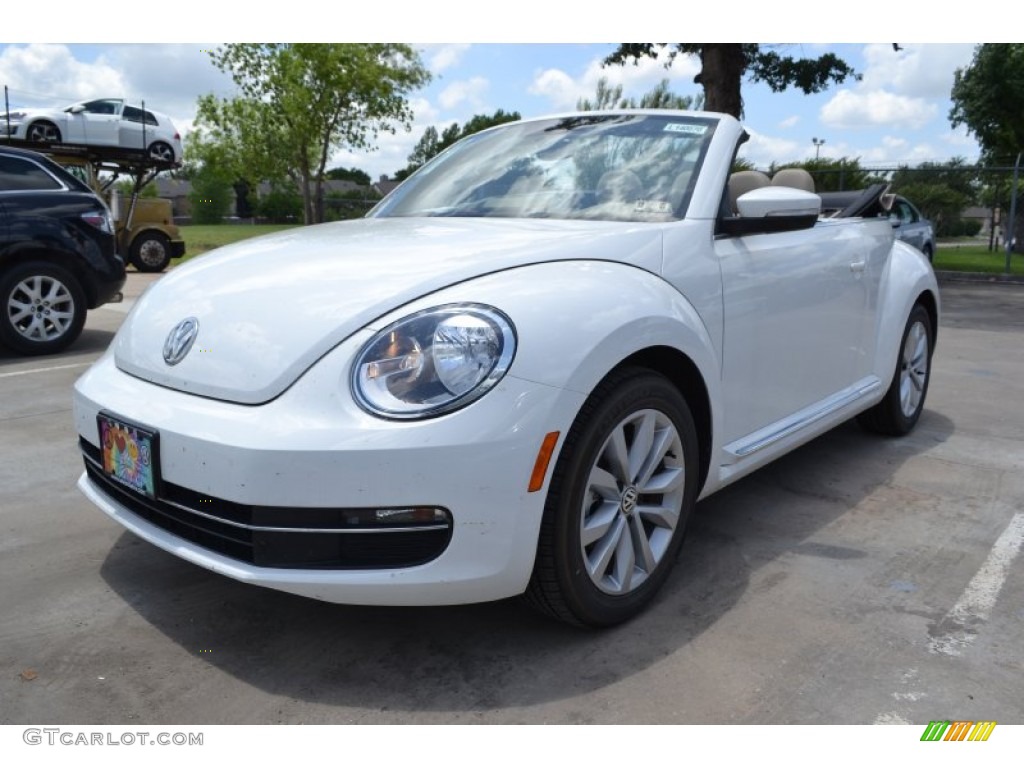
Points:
point(44, 370)
point(977, 600)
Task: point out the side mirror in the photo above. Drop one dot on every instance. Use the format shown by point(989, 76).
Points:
point(772, 209)
point(77, 109)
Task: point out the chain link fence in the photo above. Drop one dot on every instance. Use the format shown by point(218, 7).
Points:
point(961, 200)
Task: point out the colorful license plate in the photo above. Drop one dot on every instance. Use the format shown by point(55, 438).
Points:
point(129, 454)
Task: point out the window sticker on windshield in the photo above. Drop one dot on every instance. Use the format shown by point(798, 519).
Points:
point(697, 130)
point(652, 206)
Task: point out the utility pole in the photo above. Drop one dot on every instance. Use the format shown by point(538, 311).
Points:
point(817, 147)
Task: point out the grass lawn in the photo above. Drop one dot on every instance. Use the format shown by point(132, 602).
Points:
point(200, 238)
point(976, 258)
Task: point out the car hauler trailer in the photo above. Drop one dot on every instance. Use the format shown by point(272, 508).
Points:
point(147, 237)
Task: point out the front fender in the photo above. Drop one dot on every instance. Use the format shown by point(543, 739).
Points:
point(907, 278)
point(577, 320)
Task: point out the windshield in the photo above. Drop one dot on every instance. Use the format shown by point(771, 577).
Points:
point(606, 167)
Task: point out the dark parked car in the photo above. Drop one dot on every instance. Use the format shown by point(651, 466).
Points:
point(58, 256)
point(911, 227)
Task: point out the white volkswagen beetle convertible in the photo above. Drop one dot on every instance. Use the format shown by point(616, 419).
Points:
point(517, 375)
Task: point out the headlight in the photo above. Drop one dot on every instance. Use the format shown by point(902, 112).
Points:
point(434, 361)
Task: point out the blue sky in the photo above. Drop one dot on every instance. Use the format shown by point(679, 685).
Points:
point(897, 112)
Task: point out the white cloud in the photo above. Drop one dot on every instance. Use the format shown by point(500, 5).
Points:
point(961, 142)
point(789, 122)
point(424, 113)
point(894, 143)
point(469, 91)
point(563, 91)
point(49, 75)
point(866, 109)
point(560, 89)
point(442, 57)
point(897, 153)
point(922, 71)
point(168, 77)
point(764, 150)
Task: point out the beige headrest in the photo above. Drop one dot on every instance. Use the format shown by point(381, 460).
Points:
point(797, 178)
point(742, 182)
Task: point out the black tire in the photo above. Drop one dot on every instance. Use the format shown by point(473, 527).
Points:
point(899, 410)
point(571, 580)
point(42, 308)
point(161, 151)
point(43, 132)
point(151, 252)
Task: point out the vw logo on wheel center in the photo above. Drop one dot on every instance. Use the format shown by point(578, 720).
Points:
point(179, 340)
point(630, 496)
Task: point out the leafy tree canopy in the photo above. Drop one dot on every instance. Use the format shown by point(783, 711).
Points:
point(833, 174)
point(724, 65)
point(299, 103)
point(988, 98)
point(660, 97)
point(349, 174)
point(211, 194)
point(126, 187)
point(940, 190)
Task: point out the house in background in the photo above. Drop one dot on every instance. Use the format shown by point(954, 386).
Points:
point(177, 191)
point(384, 185)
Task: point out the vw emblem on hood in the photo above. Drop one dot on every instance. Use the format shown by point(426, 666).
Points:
point(179, 340)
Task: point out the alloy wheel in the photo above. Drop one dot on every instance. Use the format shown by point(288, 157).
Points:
point(632, 502)
point(914, 372)
point(41, 308)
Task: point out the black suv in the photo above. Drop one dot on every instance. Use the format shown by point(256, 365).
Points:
point(58, 255)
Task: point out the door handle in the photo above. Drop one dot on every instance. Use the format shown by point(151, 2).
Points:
point(858, 266)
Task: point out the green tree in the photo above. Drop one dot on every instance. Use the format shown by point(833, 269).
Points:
point(211, 194)
point(125, 188)
point(606, 97)
point(940, 190)
point(723, 66)
point(299, 103)
point(353, 204)
point(355, 175)
point(281, 205)
point(660, 97)
point(428, 146)
point(742, 164)
point(432, 144)
point(988, 98)
point(833, 174)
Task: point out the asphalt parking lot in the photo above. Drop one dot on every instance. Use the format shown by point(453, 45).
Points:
point(859, 580)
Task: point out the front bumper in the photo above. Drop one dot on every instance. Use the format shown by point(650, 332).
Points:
point(313, 449)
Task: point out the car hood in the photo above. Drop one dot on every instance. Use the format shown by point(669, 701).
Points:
point(270, 307)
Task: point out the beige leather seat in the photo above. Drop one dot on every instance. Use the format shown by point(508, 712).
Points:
point(742, 182)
